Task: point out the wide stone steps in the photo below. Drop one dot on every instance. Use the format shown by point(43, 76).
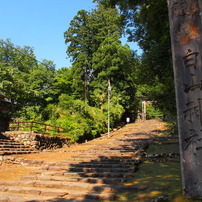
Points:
point(96, 174)
point(88, 180)
point(94, 180)
point(9, 147)
point(59, 189)
point(36, 184)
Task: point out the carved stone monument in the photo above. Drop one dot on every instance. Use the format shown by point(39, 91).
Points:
point(186, 37)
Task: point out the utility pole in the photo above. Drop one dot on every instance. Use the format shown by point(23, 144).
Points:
point(185, 18)
point(85, 85)
point(109, 90)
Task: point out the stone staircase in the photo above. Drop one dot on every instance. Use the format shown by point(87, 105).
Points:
point(9, 146)
point(96, 174)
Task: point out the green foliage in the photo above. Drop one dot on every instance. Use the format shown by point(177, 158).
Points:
point(25, 82)
point(87, 32)
point(153, 113)
point(76, 118)
point(62, 84)
point(76, 98)
point(116, 113)
point(172, 125)
point(147, 23)
point(98, 56)
point(116, 63)
point(79, 121)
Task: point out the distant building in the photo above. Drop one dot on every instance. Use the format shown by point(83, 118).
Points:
point(5, 104)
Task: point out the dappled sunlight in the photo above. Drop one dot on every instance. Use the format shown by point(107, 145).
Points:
point(171, 176)
point(181, 199)
point(159, 177)
point(155, 179)
point(148, 195)
point(141, 197)
point(132, 183)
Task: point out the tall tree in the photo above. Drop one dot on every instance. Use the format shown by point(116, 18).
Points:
point(79, 36)
point(147, 23)
point(116, 63)
point(87, 31)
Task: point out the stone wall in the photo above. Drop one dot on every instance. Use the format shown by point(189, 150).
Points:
point(38, 141)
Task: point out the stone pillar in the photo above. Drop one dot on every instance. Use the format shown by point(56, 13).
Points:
point(144, 110)
point(186, 37)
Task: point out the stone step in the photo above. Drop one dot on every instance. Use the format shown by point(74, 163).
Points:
point(16, 149)
point(101, 169)
point(39, 185)
point(95, 165)
point(35, 193)
point(86, 169)
point(102, 158)
point(90, 197)
point(90, 155)
point(33, 190)
point(76, 196)
point(9, 143)
point(100, 174)
point(3, 137)
point(100, 155)
point(9, 147)
point(112, 150)
point(17, 197)
point(7, 139)
point(16, 152)
point(83, 174)
point(100, 161)
point(75, 179)
point(12, 145)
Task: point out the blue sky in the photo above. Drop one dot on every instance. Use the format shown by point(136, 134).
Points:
point(41, 24)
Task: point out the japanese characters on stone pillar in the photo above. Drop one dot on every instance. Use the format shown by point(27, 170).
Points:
point(186, 37)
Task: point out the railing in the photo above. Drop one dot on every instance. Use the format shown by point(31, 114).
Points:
point(33, 126)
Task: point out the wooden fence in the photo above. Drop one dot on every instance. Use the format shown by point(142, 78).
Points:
point(33, 126)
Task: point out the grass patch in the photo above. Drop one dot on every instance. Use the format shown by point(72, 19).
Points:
point(163, 148)
point(157, 180)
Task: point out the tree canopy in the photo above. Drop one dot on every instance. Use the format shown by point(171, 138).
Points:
point(147, 24)
point(76, 98)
